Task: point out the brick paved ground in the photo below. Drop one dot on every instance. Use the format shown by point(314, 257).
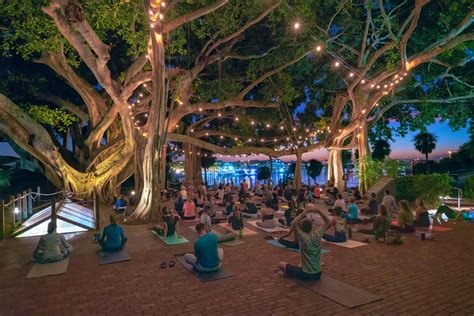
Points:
point(417, 278)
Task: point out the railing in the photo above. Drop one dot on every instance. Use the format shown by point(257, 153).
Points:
point(24, 205)
point(445, 199)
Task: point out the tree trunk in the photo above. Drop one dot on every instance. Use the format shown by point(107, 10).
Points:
point(192, 165)
point(364, 153)
point(298, 171)
point(335, 170)
point(427, 164)
point(150, 200)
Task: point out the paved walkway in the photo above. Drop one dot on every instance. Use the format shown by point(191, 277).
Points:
point(417, 278)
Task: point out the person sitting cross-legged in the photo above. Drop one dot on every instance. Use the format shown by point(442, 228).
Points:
point(235, 218)
point(52, 247)
point(406, 224)
point(293, 244)
point(267, 214)
point(372, 207)
point(352, 216)
point(120, 205)
point(422, 217)
point(207, 256)
point(113, 237)
point(339, 225)
point(189, 209)
point(169, 226)
point(381, 224)
point(310, 247)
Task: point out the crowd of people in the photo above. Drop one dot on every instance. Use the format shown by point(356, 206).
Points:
point(239, 202)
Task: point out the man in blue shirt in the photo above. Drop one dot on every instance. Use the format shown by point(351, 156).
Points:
point(113, 237)
point(120, 204)
point(207, 257)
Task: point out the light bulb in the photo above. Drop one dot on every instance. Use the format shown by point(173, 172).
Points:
point(337, 64)
point(318, 48)
point(297, 25)
point(362, 81)
point(351, 74)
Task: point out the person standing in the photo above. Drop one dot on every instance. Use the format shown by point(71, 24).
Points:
point(390, 204)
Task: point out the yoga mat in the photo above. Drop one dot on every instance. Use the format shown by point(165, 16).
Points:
point(108, 257)
point(348, 244)
point(204, 276)
point(276, 229)
point(190, 221)
point(428, 234)
point(39, 270)
point(274, 242)
point(440, 229)
point(245, 231)
point(170, 240)
point(343, 293)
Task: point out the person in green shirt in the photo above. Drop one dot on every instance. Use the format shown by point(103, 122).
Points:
point(406, 224)
point(381, 224)
point(310, 247)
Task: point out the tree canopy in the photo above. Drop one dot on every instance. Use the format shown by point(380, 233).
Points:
point(229, 76)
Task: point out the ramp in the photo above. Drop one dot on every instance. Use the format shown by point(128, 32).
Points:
point(70, 218)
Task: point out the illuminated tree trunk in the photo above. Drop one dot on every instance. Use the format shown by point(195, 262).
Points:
point(149, 205)
point(335, 170)
point(364, 153)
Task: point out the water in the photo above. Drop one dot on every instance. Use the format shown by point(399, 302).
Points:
point(238, 172)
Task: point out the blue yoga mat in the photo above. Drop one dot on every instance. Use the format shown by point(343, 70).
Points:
point(274, 242)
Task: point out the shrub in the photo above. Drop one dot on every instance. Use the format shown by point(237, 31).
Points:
point(428, 187)
point(469, 187)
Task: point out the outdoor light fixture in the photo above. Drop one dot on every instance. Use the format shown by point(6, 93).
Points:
point(16, 210)
point(132, 193)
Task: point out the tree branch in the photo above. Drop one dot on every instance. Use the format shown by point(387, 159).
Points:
point(65, 14)
point(387, 21)
point(180, 138)
point(414, 21)
point(74, 109)
point(228, 103)
point(260, 79)
point(382, 111)
point(94, 102)
point(247, 25)
point(169, 26)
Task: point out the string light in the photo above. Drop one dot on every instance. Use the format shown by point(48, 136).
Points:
point(297, 26)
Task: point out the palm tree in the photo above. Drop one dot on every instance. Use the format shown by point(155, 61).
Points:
point(425, 143)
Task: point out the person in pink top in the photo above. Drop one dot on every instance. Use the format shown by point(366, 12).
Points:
point(317, 191)
point(189, 210)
